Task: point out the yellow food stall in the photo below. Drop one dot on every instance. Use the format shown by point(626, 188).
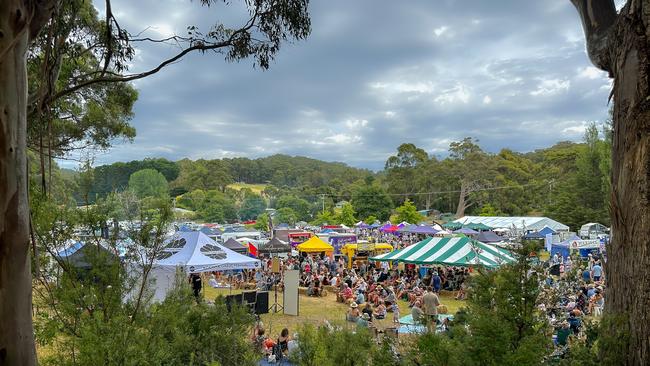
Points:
point(361, 251)
point(315, 245)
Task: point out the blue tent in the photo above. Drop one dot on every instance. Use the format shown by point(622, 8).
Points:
point(374, 226)
point(563, 248)
point(184, 228)
point(210, 231)
point(546, 230)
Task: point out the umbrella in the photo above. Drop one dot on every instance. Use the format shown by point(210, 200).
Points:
point(452, 225)
point(466, 231)
point(479, 226)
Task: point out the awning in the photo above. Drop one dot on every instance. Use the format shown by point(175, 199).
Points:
point(275, 245)
point(315, 245)
point(456, 251)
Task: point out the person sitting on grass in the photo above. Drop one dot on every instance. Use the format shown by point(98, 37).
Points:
point(345, 295)
point(364, 321)
point(380, 311)
point(353, 312)
point(416, 313)
point(368, 310)
point(360, 297)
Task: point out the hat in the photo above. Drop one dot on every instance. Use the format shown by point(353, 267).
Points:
point(353, 305)
point(565, 324)
point(365, 316)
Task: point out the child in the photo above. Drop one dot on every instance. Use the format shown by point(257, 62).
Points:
point(395, 309)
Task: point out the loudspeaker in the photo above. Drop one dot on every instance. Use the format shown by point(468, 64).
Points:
point(262, 304)
point(233, 299)
point(249, 297)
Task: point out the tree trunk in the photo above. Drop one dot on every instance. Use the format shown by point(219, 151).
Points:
point(629, 253)
point(462, 198)
point(619, 44)
point(16, 332)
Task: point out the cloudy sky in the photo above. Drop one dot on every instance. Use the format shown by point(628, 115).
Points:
point(372, 75)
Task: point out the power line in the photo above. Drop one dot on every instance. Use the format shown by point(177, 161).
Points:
point(323, 195)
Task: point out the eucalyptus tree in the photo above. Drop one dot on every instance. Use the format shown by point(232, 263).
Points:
point(617, 42)
point(267, 25)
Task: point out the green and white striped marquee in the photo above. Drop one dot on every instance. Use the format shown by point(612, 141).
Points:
point(452, 251)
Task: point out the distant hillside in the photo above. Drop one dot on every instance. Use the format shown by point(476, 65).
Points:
point(187, 175)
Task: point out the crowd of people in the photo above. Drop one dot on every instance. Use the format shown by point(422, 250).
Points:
point(572, 288)
point(569, 297)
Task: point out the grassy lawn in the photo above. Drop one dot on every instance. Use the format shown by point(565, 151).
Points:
point(315, 310)
point(256, 188)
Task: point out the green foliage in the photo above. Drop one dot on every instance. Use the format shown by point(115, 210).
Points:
point(285, 215)
point(500, 325)
point(489, 210)
point(148, 183)
point(372, 200)
point(115, 177)
point(409, 213)
point(262, 222)
point(321, 346)
point(252, 206)
point(326, 217)
point(299, 206)
point(346, 216)
point(402, 169)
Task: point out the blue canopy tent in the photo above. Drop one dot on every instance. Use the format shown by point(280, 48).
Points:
point(546, 230)
point(184, 229)
point(575, 243)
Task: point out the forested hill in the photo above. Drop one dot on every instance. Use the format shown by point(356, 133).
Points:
point(567, 181)
point(187, 175)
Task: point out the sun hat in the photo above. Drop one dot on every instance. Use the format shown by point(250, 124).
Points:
point(354, 304)
point(365, 316)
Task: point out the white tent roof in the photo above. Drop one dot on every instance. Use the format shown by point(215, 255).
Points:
point(519, 222)
point(196, 252)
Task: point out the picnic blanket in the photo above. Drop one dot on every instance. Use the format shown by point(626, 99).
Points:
point(408, 326)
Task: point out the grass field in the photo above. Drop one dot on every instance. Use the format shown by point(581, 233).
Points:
point(256, 188)
point(315, 310)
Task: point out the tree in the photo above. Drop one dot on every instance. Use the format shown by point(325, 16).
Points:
point(346, 216)
point(269, 24)
point(285, 215)
point(252, 206)
point(618, 44)
point(471, 167)
point(148, 183)
point(262, 222)
point(372, 200)
point(500, 324)
point(407, 212)
point(402, 169)
point(299, 206)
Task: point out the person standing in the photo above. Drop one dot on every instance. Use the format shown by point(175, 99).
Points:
point(597, 272)
point(195, 281)
point(431, 302)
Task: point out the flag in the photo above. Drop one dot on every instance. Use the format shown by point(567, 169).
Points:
point(252, 250)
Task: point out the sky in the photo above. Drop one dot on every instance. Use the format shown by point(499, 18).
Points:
point(372, 75)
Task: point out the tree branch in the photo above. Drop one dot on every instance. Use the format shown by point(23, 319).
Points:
point(597, 17)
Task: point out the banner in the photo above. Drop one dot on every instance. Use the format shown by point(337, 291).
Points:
point(584, 244)
point(365, 247)
point(290, 294)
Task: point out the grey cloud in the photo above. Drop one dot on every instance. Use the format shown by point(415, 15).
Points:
point(372, 75)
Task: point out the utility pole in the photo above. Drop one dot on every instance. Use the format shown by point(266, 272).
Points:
point(322, 198)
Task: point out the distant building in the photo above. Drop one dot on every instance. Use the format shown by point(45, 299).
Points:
point(592, 230)
point(520, 223)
